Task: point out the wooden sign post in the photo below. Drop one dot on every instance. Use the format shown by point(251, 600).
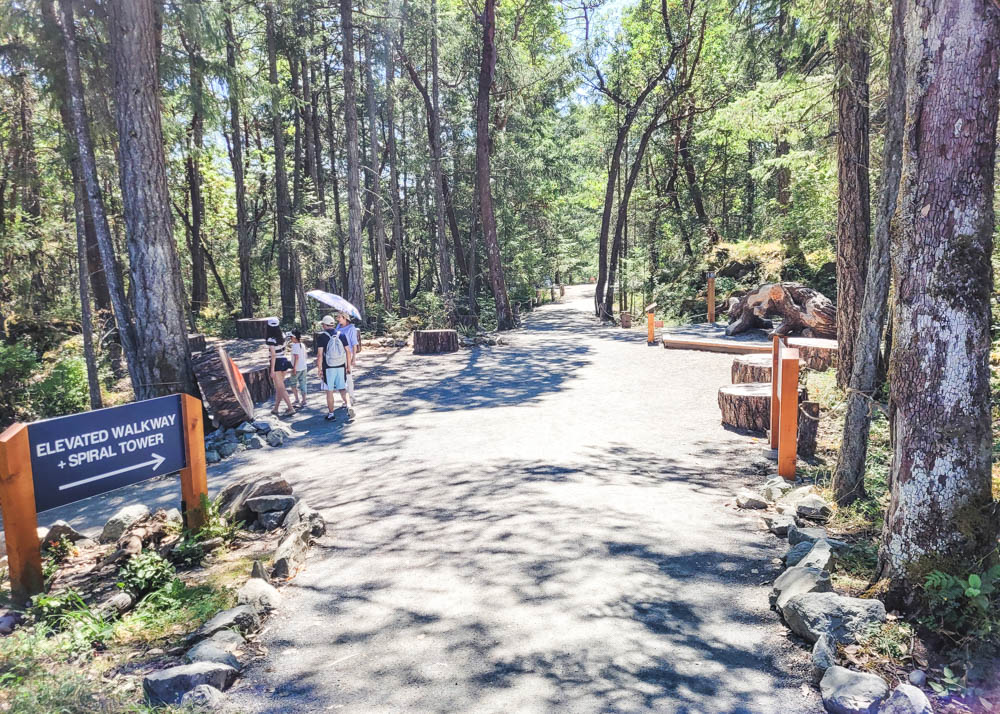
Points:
point(784, 434)
point(651, 324)
point(53, 462)
point(711, 298)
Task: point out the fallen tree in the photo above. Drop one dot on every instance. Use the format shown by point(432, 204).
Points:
point(803, 311)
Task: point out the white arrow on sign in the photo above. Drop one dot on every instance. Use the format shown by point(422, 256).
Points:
point(155, 462)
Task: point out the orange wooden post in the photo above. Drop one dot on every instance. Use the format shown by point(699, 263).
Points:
point(20, 522)
point(775, 357)
point(711, 298)
point(788, 418)
point(194, 478)
point(650, 324)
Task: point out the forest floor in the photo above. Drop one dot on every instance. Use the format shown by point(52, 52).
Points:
point(541, 526)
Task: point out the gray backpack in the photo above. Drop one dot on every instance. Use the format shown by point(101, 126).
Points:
point(335, 355)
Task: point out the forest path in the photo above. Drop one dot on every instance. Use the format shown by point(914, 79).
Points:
point(539, 527)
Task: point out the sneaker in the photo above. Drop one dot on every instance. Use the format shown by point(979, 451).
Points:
point(331, 416)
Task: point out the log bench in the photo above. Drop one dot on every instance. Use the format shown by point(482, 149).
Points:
point(427, 342)
point(751, 368)
point(748, 405)
point(223, 387)
point(251, 328)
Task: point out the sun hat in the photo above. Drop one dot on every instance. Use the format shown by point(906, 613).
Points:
point(273, 322)
point(328, 320)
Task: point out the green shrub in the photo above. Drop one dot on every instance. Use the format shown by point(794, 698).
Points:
point(17, 362)
point(63, 390)
point(963, 608)
point(145, 572)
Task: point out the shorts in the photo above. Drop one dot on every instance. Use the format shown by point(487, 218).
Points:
point(335, 378)
point(300, 381)
point(282, 364)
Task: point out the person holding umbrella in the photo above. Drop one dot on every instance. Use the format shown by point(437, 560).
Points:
point(333, 361)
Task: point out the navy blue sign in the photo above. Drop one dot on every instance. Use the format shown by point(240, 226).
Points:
point(78, 456)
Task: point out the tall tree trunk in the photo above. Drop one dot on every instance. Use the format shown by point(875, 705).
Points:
point(196, 135)
point(783, 174)
point(94, 193)
point(941, 512)
point(390, 120)
point(614, 169)
point(158, 294)
point(848, 476)
point(236, 159)
point(356, 275)
point(334, 178)
point(283, 202)
point(853, 212)
point(487, 69)
point(86, 323)
point(376, 182)
point(444, 261)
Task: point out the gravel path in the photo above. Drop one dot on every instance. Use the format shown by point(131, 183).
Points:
point(539, 527)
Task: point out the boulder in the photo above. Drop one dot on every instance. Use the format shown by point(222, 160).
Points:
point(291, 552)
point(799, 580)
point(805, 535)
point(847, 692)
point(62, 529)
point(241, 618)
point(301, 513)
point(845, 619)
point(796, 494)
point(264, 504)
point(246, 428)
point(778, 524)
point(212, 456)
point(819, 556)
point(204, 697)
point(824, 656)
point(776, 487)
point(209, 651)
point(263, 426)
point(271, 520)
point(227, 448)
point(229, 640)
point(232, 499)
point(276, 437)
point(270, 485)
point(168, 686)
point(259, 571)
point(9, 620)
point(125, 517)
point(174, 516)
point(813, 507)
point(907, 699)
point(254, 442)
point(748, 499)
point(259, 594)
point(796, 553)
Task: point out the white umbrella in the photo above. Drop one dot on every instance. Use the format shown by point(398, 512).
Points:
point(334, 301)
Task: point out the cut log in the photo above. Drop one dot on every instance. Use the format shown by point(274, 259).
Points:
point(748, 405)
point(196, 343)
point(817, 354)
point(251, 328)
point(427, 342)
point(751, 368)
point(802, 310)
point(808, 427)
point(259, 383)
point(223, 388)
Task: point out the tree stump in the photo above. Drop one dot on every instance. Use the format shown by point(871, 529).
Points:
point(259, 384)
point(817, 354)
point(223, 388)
point(751, 368)
point(808, 427)
point(427, 342)
point(196, 343)
point(748, 405)
point(802, 310)
point(251, 328)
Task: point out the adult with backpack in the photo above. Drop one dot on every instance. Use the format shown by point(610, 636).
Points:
point(333, 360)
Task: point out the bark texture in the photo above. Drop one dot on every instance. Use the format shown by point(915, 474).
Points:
point(751, 368)
point(941, 512)
point(236, 159)
point(164, 363)
point(434, 341)
point(802, 310)
point(355, 274)
point(748, 405)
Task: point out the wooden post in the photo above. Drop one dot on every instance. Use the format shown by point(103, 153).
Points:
point(788, 417)
point(20, 521)
point(775, 381)
point(651, 324)
point(711, 298)
point(194, 479)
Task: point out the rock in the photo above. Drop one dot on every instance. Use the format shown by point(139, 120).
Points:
point(242, 618)
point(117, 604)
point(262, 426)
point(824, 656)
point(210, 651)
point(229, 433)
point(847, 692)
point(259, 571)
point(227, 448)
point(232, 499)
point(291, 552)
point(301, 513)
point(778, 524)
point(796, 553)
point(814, 507)
point(246, 428)
point(229, 640)
point(263, 504)
point(276, 437)
point(796, 494)
point(174, 516)
point(259, 594)
point(776, 487)
point(748, 499)
point(62, 529)
point(805, 535)
point(86, 543)
point(204, 696)
point(254, 442)
point(125, 517)
point(167, 686)
point(845, 619)
point(212, 456)
point(907, 699)
point(210, 544)
point(271, 520)
point(799, 580)
point(271, 485)
point(918, 678)
point(819, 556)
point(9, 620)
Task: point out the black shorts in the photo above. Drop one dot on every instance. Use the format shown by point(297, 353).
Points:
point(282, 364)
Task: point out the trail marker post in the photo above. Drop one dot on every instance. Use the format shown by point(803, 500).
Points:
point(53, 462)
point(785, 406)
point(651, 324)
point(711, 298)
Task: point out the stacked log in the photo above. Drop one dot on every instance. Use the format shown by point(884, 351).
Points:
point(751, 368)
point(251, 328)
point(223, 387)
point(426, 342)
point(748, 405)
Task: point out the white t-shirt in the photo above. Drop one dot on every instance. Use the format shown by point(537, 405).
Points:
point(299, 349)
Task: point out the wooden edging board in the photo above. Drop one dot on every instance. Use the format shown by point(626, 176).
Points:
point(49, 463)
point(735, 348)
